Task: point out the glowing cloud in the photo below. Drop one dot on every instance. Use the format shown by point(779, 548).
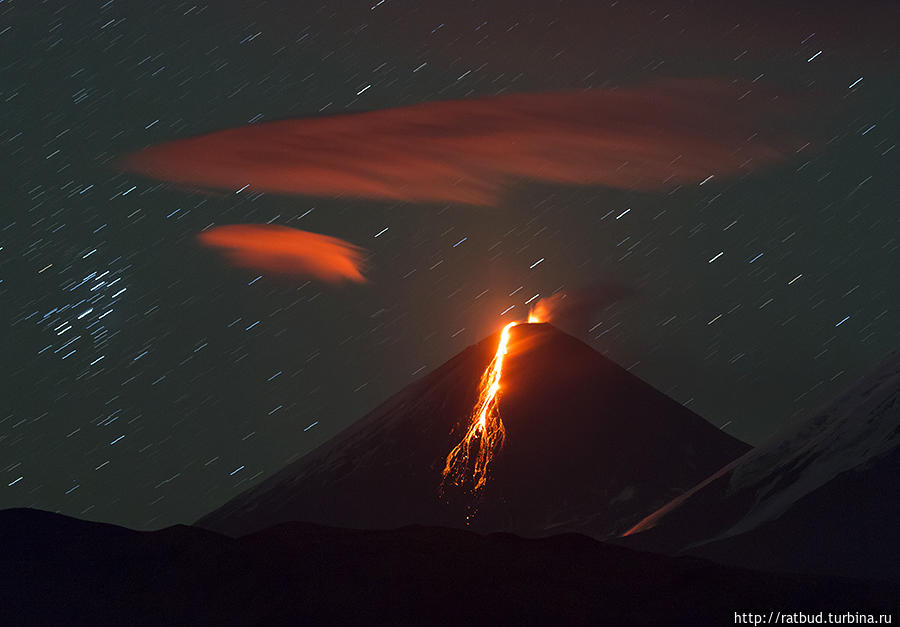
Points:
point(468, 151)
point(284, 250)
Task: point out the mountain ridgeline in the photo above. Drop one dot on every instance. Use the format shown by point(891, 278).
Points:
point(822, 495)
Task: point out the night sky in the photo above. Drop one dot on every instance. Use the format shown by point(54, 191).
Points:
point(147, 382)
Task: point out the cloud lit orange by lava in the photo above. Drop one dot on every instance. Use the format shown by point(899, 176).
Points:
point(283, 250)
point(649, 137)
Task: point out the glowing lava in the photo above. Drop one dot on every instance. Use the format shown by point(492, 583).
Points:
point(469, 460)
point(486, 433)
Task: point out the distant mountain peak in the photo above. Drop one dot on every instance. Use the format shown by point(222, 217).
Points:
point(820, 495)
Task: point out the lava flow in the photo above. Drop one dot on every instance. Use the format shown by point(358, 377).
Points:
point(486, 432)
point(469, 460)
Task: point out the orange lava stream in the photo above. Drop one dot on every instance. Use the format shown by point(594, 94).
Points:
point(486, 432)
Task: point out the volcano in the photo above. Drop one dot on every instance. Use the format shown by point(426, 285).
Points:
point(589, 448)
point(821, 496)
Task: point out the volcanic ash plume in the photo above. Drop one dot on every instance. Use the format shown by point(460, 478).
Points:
point(283, 250)
point(651, 137)
point(573, 310)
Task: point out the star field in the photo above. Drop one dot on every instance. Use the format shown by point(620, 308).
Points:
point(146, 382)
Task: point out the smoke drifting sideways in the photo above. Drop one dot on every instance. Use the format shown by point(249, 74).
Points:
point(287, 251)
point(650, 137)
point(573, 310)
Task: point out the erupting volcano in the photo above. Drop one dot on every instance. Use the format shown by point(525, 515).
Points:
point(589, 448)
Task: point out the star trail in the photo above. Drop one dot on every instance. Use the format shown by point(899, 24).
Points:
point(146, 382)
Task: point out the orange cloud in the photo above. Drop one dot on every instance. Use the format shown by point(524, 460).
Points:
point(284, 250)
point(469, 151)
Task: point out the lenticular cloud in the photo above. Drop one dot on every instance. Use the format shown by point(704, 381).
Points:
point(284, 250)
point(650, 137)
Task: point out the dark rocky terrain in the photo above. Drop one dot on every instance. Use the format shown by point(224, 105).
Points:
point(56, 570)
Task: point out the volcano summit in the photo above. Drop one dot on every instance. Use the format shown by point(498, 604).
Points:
point(589, 448)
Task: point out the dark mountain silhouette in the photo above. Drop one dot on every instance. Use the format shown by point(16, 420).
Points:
point(589, 448)
point(821, 496)
point(56, 570)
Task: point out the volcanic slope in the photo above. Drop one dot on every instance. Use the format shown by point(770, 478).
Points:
point(589, 448)
point(821, 496)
